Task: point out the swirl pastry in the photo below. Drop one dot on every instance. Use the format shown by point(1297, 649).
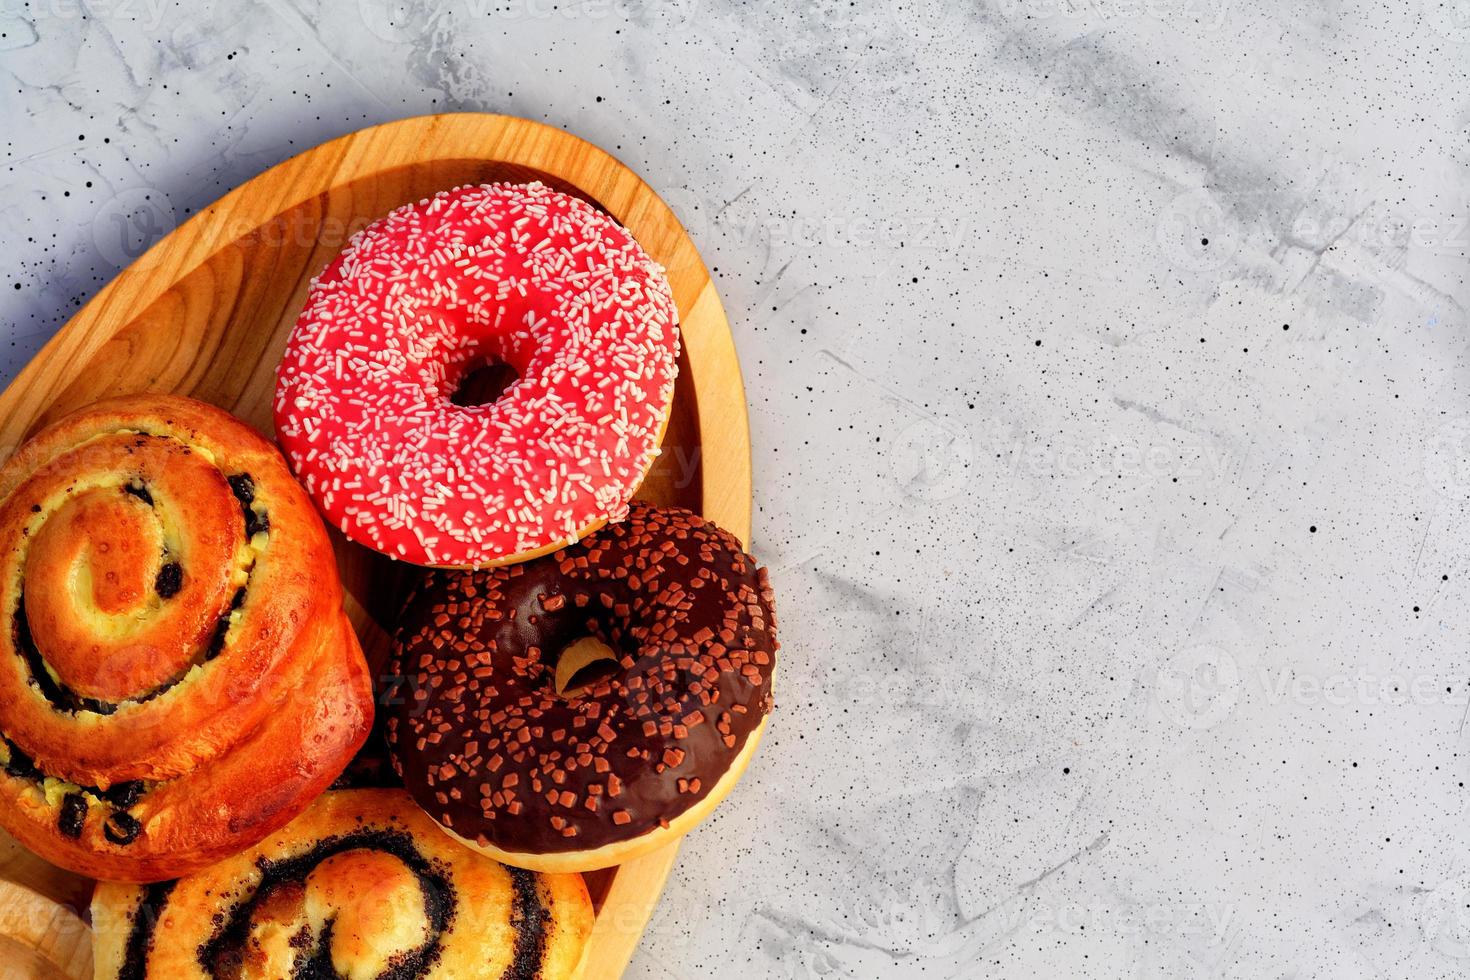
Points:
point(177, 677)
point(361, 885)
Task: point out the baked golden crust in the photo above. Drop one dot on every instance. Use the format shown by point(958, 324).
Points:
point(363, 882)
point(177, 677)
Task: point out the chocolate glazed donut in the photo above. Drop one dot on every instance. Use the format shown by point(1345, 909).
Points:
point(554, 779)
point(360, 885)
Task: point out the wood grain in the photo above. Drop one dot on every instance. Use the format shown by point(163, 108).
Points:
point(206, 313)
point(41, 939)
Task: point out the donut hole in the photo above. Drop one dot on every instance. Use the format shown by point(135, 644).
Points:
point(582, 663)
point(483, 383)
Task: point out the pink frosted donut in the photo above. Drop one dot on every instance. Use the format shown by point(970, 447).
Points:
point(516, 274)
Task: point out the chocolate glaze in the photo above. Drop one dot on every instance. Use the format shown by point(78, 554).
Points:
point(491, 750)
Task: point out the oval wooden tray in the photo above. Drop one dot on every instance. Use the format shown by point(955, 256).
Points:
point(206, 313)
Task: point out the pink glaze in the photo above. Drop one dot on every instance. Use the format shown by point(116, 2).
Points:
point(519, 274)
